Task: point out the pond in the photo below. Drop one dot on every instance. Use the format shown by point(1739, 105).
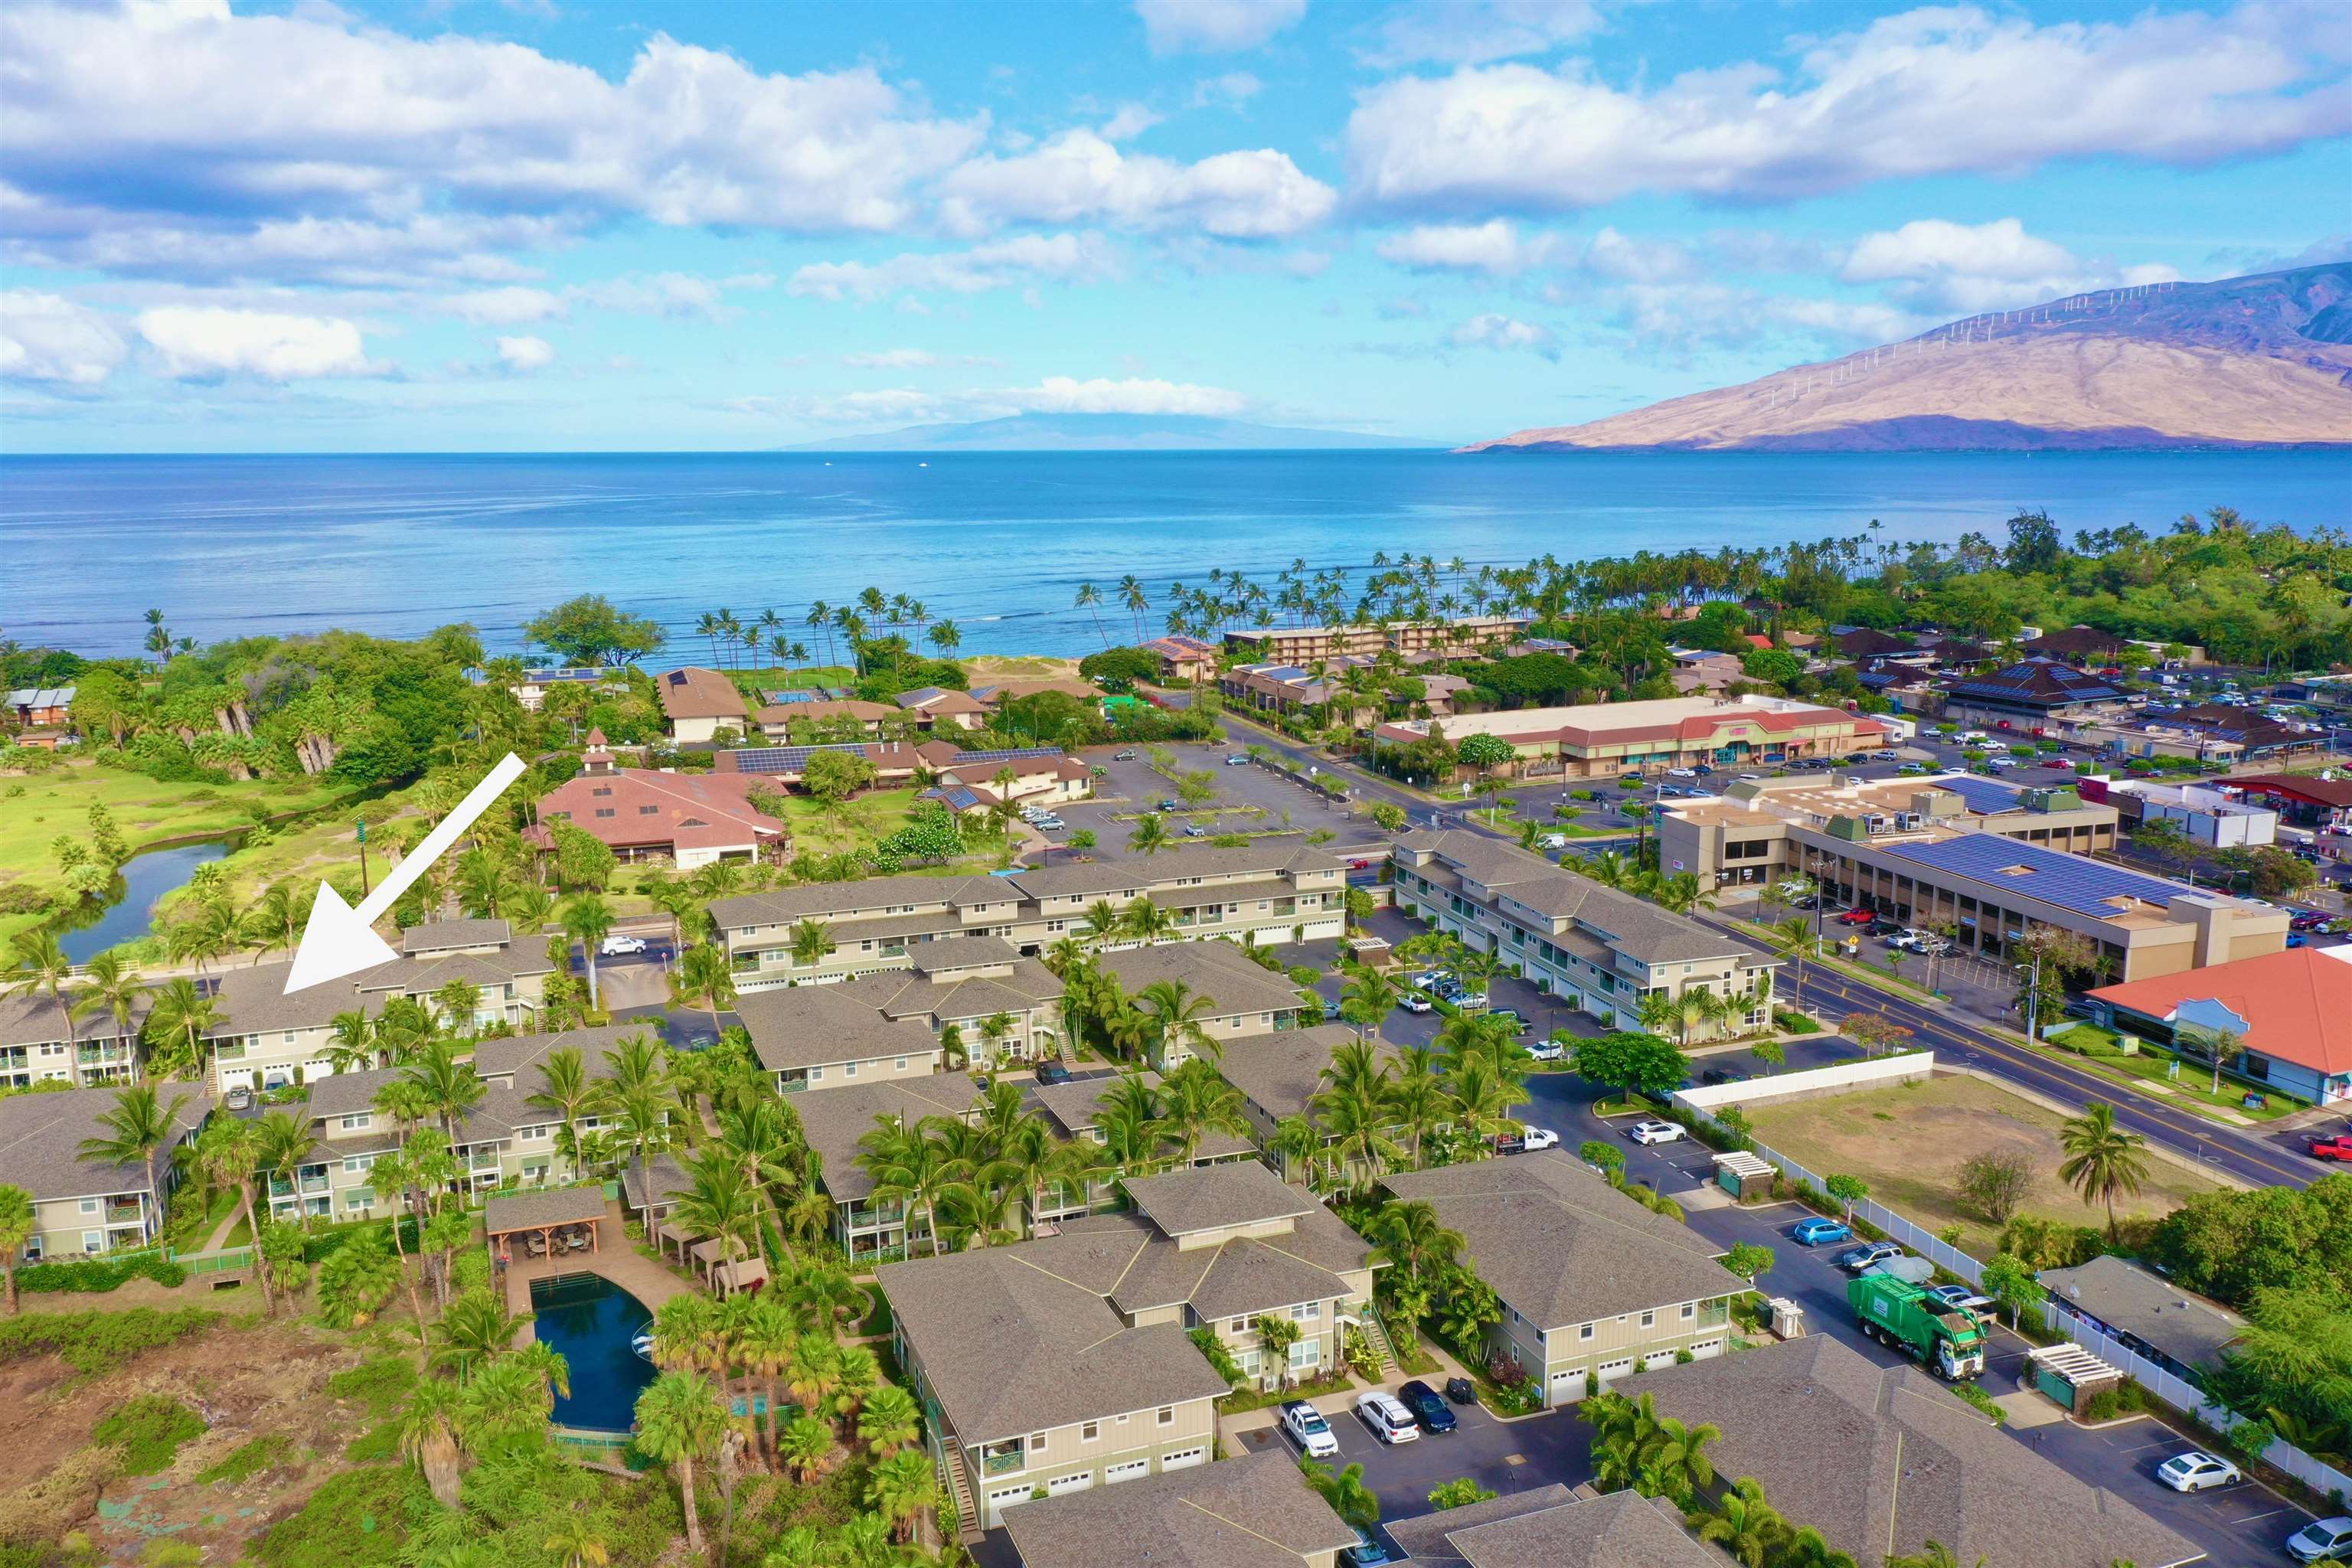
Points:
point(130, 914)
point(592, 1320)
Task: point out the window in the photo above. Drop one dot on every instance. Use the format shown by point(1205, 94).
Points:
point(604, 811)
point(649, 811)
point(358, 1163)
point(1584, 1332)
point(1649, 1319)
point(1306, 1313)
point(1036, 1442)
point(359, 1198)
point(1090, 1432)
point(901, 1064)
point(90, 1206)
point(1167, 1416)
point(849, 1070)
point(1237, 1326)
point(601, 790)
point(1690, 1309)
point(357, 1122)
point(816, 1075)
point(94, 1241)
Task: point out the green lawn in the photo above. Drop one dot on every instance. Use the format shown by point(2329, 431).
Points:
point(2089, 1046)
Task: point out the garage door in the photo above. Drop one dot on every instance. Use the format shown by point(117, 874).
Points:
point(1568, 1387)
point(1133, 1469)
point(1076, 1483)
point(1709, 1348)
point(1615, 1369)
point(1185, 1460)
point(998, 1500)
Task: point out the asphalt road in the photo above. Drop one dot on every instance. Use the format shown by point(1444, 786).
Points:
point(2247, 1155)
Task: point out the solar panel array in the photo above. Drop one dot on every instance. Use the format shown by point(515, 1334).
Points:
point(2069, 881)
point(1983, 796)
point(786, 759)
point(1014, 754)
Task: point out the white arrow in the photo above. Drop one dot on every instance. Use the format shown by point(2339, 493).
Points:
point(341, 940)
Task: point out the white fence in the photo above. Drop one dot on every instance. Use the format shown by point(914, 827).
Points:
point(2182, 1394)
point(1876, 1072)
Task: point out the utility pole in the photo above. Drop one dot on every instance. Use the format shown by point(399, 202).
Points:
point(363, 876)
point(2034, 999)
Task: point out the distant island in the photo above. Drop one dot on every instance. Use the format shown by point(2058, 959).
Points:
point(2263, 361)
point(1113, 433)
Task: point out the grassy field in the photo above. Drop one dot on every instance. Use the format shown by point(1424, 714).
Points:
point(1908, 1143)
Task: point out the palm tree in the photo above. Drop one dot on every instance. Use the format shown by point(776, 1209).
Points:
point(681, 903)
point(42, 965)
point(566, 1089)
point(350, 1042)
point(450, 1088)
point(1370, 998)
point(805, 1446)
point(137, 1127)
point(577, 1542)
point(1296, 1143)
point(2103, 1161)
point(707, 976)
point(1793, 937)
point(719, 1204)
point(890, 1421)
point(182, 1014)
point(477, 1328)
point(428, 1435)
point(680, 1419)
point(1131, 594)
point(812, 944)
point(1176, 1011)
point(1354, 1120)
point(1409, 1233)
point(1101, 922)
point(280, 1146)
point(1088, 597)
point(1747, 1527)
point(1932, 1554)
point(1149, 835)
point(1194, 1101)
point(1807, 1549)
point(225, 1153)
point(588, 921)
point(15, 1230)
point(763, 1342)
point(902, 1487)
point(110, 987)
point(908, 1167)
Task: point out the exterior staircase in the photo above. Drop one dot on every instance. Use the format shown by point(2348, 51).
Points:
point(957, 1481)
point(1377, 1331)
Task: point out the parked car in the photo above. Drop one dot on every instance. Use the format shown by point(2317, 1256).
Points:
point(1052, 1071)
point(1547, 1051)
point(1194, 830)
point(1960, 1296)
point(1682, 772)
point(1819, 1232)
point(1540, 1138)
point(240, 1099)
point(1126, 756)
point(2335, 1146)
point(620, 946)
point(1169, 805)
point(1469, 1000)
point(1430, 979)
point(1391, 1422)
point(1856, 916)
point(1519, 1025)
point(1886, 756)
point(2197, 1470)
point(1237, 760)
point(1415, 1002)
point(1552, 841)
point(1460, 1391)
point(1426, 1407)
point(1722, 1074)
point(1647, 1133)
point(1330, 1008)
point(1309, 1429)
point(1368, 1551)
point(1854, 1259)
point(2325, 1541)
point(1509, 1143)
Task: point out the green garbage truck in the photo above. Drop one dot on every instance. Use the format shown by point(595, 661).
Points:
point(1948, 1340)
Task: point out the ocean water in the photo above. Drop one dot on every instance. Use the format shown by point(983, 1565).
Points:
point(997, 543)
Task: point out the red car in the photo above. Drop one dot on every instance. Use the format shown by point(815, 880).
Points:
point(2336, 1148)
point(1856, 916)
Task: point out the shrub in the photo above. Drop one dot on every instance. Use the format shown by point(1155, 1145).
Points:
point(100, 1341)
point(149, 1430)
point(357, 1519)
point(246, 1460)
point(1684, 1358)
point(379, 1384)
point(96, 1276)
point(1459, 1493)
point(1981, 1400)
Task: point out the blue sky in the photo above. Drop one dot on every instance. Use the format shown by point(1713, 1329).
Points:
point(552, 226)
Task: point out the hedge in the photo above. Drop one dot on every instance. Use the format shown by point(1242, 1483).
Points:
point(98, 1274)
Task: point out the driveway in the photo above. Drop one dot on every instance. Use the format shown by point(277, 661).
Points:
point(2240, 1528)
point(1501, 1456)
point(1252, 800)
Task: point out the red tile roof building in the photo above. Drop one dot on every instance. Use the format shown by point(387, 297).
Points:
point(2291, 1011)
point(642, 813)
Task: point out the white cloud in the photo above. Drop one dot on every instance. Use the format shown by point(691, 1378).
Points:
point(1471, 34)
point(512, 306)
point(1933, 90)
point(201, 343)
point(44, 337)
point(1685, 317)
point(1231, 91)
point(1002, 264)
point(1172, 27)
point(883, 405)
point(1080, 177)
point(523, 355)
point(1128, 120)
point(1505, 332)
point(892, 359)
point(1967, 267)
point(1612, 255)
point(671, 294)
point(194, 119)
point(1490, 247)
point(1136, 394)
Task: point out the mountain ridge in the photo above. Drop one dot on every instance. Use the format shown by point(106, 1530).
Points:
point(1112, 433)
point(2263, 361)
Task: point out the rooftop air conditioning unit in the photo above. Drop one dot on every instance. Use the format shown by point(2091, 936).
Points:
point(1907, 820)
point(1873, 824)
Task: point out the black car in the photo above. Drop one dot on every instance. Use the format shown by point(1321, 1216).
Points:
point(1722, 1074)
point(1426, 1407)
point(1051, 1071)
point(1458, 1390)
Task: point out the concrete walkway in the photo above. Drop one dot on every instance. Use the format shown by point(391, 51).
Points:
point(619, 1261)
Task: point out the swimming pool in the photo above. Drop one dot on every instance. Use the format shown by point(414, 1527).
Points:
point(592, 1320)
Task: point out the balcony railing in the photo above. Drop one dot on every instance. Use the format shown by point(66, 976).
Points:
point(482, 1162)
point(314, 1184)
point(124, 1211)
point(1001, 1464)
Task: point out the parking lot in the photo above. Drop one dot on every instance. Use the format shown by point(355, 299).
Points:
point(1501, 1456)
point(1131, 786)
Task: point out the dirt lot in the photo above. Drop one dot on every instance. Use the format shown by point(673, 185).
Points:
point(244, 1383)
point(1908, 1143)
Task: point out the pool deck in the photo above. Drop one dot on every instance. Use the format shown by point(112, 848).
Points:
point(641, 1277)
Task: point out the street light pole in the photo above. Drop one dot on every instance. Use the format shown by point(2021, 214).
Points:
point(2033, 998)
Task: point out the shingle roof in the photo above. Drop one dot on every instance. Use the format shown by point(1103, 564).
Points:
point(2296, 1004)
point(2040, 682)
point(1623, 1530)
point(33, 1020)
point(529, 1211)
point(445, 936)
point(1631, 925)
point(39, 1134)
point(507, 1056)
point(820, 900)
point(1075, 1105)
point(696, 693)
point(1217, 969)
point(834, 1120)
point(1423, 1536)
point(2122, 1295)
point(1561, 1245)
point(1915, 1463)
point(1256, 1512)
point(2077, 641)
point(1277, 1072)
point(1212, 1197)
point(1010, 1349)
point(806, 1025)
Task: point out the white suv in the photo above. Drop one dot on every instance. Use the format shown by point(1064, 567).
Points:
point(1385, 1413)
point(1654, 1132)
